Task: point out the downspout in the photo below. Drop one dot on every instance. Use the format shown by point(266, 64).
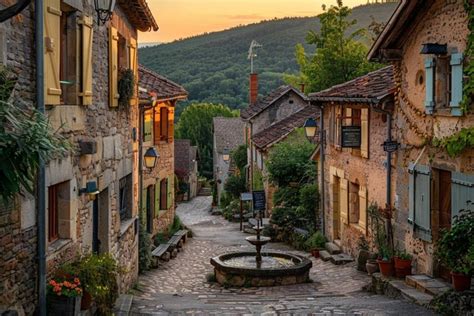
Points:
point(141, 113)
point(322, 141)
point(251, 157)
point(41, 180)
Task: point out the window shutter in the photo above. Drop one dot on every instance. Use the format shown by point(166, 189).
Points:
point(344, 207)
point(420, 200)
point(170, 125)
point(163, 194)
point(462, 192)
point(164, 118)
point(430, 65)
point(456, 84)
point(348, 122)
point(144, 194)
point(364, 133)
point(134, 67)
point(52, 22)
point(411, 194)
point(170, 192)
point(157, 125)
point(363, 208)
point(157, 198)
point(87, 45)
point(113, 67)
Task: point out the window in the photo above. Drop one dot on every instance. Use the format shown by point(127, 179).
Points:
point(69, 72)
point(164, 123)
point(122, 53)
point(354, 208)
point(148, 126)
point(53, 218)
point(125, 197)
point(60, 217)
point(164, 194)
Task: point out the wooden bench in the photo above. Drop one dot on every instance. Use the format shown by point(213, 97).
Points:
point(161, 252)
point(175, 242)
point(183, 234)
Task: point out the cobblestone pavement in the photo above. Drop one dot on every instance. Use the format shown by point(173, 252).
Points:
point(179, 287)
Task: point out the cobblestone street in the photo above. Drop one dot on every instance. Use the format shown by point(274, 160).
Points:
point(180, 286)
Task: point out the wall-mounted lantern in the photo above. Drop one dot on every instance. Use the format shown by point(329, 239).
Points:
point(226, 154)
point(104, 9)
point(310, 128)
point(90, 189)
point(150, 157)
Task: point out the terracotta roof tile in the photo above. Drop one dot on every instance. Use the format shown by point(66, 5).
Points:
point(228, 132)
point(283, 128)
point(139, 14)
point(151, 82)
point(370, 88)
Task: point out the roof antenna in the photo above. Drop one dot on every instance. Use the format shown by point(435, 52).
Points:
point(252, 53)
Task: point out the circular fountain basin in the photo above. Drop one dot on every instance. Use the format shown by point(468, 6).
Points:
point(254, 240)
point(239, 269)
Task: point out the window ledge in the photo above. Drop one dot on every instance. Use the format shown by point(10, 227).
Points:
point(444, 112)
point(57, 245)
point(358, 227)
point(125, 225)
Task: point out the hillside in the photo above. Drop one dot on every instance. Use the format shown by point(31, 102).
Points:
point(214, 67)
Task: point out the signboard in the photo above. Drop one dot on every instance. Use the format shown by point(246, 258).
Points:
point(259, 202)
point(351, 137)
point(246, 196)
point(390, 146)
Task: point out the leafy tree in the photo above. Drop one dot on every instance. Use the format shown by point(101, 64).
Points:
point(235, 185)
point(239, 157)
point(340, 54)
point(195, 124)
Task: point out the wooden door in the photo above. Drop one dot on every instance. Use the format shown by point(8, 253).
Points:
point(150, 200)
point(336, 228)
point(444, 207)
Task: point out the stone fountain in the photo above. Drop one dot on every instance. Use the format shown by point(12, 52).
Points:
point(256, 269)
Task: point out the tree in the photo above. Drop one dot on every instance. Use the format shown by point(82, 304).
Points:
point(195, 124)
point(339, 56)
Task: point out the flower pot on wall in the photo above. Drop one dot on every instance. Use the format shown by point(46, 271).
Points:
point(62, 305)
point(315, 252)
point(386, 267)
point(402, 267)
point(461, 282)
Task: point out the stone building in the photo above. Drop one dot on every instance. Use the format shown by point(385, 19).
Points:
point(186, 166)
point(354, 173)
point(83, 63)
point(228, 135)
point(275, 133)
point(159, 96)
point(431, 187)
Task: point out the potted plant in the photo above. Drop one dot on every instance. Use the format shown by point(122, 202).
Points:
point(385, 262)
point(316, 243)
point(364, 254)
point(64, 295)
point(402, 262)
point(455, 250)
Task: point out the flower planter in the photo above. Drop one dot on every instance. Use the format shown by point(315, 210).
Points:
point(315, 252)
point(65, 306)
point(371, 266)
point(386, 267)
point(461, 282)
point(402, 267)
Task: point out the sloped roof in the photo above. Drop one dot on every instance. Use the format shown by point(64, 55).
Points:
point(267, 101)
point(139, 14)
point(165, 89)
point(182, 156)
point(228, 132)
point(371, 88)
point(283, 128)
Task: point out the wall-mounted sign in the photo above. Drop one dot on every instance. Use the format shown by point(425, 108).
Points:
point(350, 136)
point(390, 147)
point(259, 202)
point(246, 196)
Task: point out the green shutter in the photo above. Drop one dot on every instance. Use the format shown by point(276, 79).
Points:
point(430, 66)
point(170, 192)
point(462, 192)
point(148, 126)
point(157, 198)
point(420, 201)
point(456, 84)
point(143, 212)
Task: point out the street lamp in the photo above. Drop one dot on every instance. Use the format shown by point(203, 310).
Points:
point(226, 155)
point(151, 156)
point(104, 9)
point(310, 128)
point(90, 189)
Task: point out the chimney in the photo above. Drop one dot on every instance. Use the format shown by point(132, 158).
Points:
point(253, 88)
point(302, 86)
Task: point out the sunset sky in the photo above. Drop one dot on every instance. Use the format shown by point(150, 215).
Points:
point(183, 18)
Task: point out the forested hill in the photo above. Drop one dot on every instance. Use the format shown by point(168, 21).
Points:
point(214, 67)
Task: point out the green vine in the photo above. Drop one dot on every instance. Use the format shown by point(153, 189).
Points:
point(468, 90)
point(126, 86)
point(456, 143)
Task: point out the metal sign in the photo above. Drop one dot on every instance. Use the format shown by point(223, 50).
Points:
point(351, 137)
point(390, 147)
point(259, 201)
point(246, 196)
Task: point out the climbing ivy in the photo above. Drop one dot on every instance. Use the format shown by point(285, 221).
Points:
point(468, 90)
point(457, 143)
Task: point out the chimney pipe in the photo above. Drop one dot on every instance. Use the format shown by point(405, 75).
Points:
point(253, 88)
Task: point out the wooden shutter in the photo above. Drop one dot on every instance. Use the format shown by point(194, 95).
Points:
point(164, 123)
point(420, 201)
point(157, 198)
point(170, 125)
point(430, 66)
point(87, 45)
point(148, 126)
point(170, 192)
point(157, 125)
point(163, 194)
point(363, 208)
point(144, 196)
point(344, 198)
point(113, 67)
point(348, 122)
point(134, 67)
point(462, 192)
point(52, 52)
point(456, 84)
point(364, 133)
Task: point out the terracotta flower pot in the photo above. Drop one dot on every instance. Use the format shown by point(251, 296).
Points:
point(386, 267)
point(371, 266)
point(402, 267)
point(315, 252)
point(461, 282)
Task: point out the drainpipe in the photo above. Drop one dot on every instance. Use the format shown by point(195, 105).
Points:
point(41, 180)
point(251, 157)
point(141, 113)
point(322, 141)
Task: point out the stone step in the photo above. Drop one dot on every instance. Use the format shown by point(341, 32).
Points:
point(123, 305)
point(332, 248)
point(338, 242)
point(324, 255)
point(426, 284)
point(411, 293)
point(341, 259)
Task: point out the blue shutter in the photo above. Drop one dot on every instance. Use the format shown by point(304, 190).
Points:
point(462, 192)
point(430, 65)
point(420, 201)
point(456, 84)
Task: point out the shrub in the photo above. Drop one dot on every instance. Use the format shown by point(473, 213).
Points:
point(225, 200)
point(144, 250)
point(317, 240)
point(286, 197)
point(235, 185)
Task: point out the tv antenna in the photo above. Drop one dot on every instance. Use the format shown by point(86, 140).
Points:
point(252, 53)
